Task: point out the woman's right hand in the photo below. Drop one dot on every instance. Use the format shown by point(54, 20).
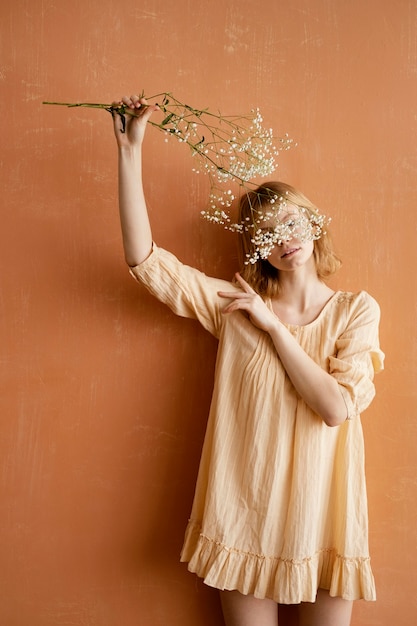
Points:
point(135, 121)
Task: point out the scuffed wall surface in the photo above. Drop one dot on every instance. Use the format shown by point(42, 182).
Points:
point(105, 393)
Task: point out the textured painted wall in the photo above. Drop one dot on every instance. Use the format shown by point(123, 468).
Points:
point(104, 392)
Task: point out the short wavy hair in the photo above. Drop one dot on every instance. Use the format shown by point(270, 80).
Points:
point(261, 275)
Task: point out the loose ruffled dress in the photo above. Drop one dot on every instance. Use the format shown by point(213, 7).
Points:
point(280, 506)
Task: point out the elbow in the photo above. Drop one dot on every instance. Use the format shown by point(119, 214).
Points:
point(335, 412)
point(334, 419)
point(137, 257)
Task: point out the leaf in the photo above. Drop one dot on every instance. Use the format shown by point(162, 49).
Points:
point(167, 119)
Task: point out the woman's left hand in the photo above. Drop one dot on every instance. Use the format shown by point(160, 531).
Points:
point(251, 303)
point(130, 133)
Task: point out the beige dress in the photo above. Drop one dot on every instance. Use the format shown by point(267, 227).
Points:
point(280, 507)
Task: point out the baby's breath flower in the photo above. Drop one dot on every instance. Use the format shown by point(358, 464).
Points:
point(233, 151)
point(230, 149)
point(283, 227)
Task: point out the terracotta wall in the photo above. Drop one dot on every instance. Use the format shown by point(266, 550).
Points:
point(104, 392)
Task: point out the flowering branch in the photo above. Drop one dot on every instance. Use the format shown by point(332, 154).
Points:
point(231, 150)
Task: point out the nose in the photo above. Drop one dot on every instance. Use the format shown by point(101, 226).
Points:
point(283, 240)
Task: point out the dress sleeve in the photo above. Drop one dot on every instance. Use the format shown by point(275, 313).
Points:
point(187, 291)
point(358, 356)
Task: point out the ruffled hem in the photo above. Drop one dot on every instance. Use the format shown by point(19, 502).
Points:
point(287, 581)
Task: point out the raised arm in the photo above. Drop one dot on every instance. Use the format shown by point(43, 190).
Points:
point(136, 229)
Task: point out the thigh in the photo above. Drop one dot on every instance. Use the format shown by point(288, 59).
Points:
point(240, 610)
point(325, 611)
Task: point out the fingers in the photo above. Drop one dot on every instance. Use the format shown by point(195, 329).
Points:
point(245, 286)
point(133, 102)
point(130, 115)
point(233, 295)
point(236, 305)
point(138, 106)
point(118, 122)
point(248, 302)
point(245, 300)
point(238, 300)
point(136, 103)
point(230, 294)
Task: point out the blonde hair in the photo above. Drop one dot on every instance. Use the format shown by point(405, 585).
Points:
point(261, 275)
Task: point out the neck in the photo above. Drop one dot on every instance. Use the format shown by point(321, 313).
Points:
point(302, 288)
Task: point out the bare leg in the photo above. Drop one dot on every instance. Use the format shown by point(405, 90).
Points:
point(325, 611)
point(240, 610)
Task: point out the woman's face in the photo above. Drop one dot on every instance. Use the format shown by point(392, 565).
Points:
point(293, 247)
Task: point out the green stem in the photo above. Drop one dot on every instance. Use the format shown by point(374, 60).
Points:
point(182, 114)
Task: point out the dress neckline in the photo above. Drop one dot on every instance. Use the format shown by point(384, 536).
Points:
point(315, 320)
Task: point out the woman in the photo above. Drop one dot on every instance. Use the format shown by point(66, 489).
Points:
point(280, 511)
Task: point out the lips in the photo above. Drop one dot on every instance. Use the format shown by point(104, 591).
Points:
point(289, 252)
